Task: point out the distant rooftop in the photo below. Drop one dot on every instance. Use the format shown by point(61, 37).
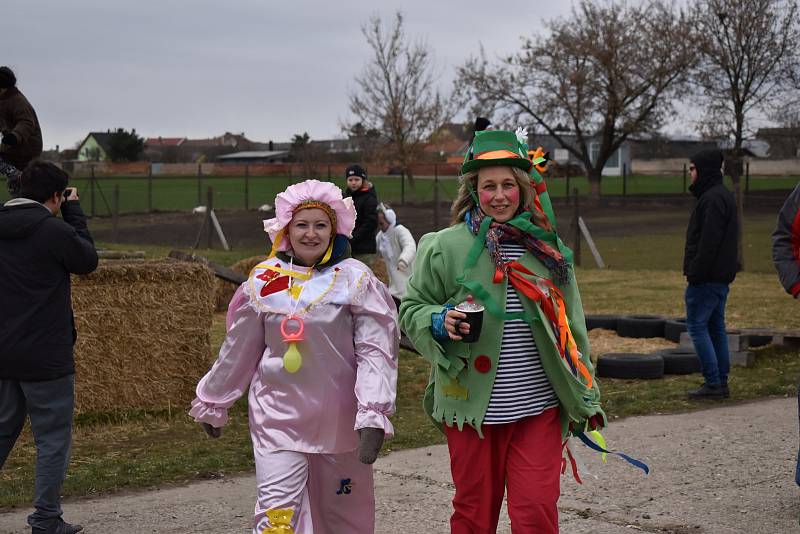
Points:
point(254, 154)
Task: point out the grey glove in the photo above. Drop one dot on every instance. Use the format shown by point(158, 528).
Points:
point(212, 431)
point(370, 441)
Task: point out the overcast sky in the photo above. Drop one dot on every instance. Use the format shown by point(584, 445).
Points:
point(198, 68)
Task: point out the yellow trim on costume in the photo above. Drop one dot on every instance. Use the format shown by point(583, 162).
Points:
point(294, 274)
point(328, 254)
point(276, 243)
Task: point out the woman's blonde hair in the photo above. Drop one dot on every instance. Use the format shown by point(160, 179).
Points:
point(464, 201)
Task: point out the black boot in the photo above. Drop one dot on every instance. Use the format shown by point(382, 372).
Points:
point(726, 393)
point(708, 391)
point(59, 526)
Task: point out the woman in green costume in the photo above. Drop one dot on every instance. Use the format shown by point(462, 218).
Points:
point(508, 401)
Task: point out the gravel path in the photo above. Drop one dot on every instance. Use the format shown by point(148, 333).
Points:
point(722, 470)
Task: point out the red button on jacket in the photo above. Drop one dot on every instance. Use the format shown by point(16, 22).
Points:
point(483, 364)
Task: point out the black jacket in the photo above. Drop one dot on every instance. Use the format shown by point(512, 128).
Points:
point(366, 202)
point(18, 118)
point(38, 251)
point(711, 253)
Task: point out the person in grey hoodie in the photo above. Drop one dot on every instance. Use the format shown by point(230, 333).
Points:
point(786, 257)
point(38, 253)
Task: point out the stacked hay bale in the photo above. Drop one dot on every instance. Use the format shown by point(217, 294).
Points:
point(143, 334)
point(379, 268)
point(224, 291)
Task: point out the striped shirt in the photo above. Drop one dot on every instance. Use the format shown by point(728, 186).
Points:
point(521, 388)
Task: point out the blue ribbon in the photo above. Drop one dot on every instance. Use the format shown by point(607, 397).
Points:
point(594, 446)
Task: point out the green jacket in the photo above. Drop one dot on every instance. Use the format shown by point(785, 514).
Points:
point(440, 262)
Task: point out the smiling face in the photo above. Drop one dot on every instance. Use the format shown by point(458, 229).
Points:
point(310, 233)
point(498, 193)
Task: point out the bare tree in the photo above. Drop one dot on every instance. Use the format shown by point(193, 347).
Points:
point(305, 152)
point(396, 93)
point(369, 143)
point(608, 71)
point(749, 61)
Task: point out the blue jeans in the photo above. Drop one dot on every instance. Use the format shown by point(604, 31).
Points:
point(49, 405)
point(797, 472)
point(705, 322)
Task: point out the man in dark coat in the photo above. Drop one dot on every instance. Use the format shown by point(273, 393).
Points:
point(21, 140)
point(366, 203)
point(786, 257)
point(38, 252)
point(710, 264)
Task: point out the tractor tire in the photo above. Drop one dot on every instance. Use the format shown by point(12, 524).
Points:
point(680, 361)
point(606, 322)
point(630, 365)
point(673, 328)
point(641, 326)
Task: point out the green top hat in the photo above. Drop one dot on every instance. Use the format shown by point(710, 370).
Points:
point(497, 147)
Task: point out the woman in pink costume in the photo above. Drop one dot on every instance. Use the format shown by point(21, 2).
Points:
point(313, 336)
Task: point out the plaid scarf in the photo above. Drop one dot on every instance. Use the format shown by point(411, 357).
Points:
point(499, 233)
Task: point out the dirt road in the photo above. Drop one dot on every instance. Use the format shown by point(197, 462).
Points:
point(723, 470)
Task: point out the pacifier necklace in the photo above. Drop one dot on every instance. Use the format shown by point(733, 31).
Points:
point(292, 359)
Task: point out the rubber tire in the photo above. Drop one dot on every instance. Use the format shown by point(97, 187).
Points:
point(630, 365)
point(641, 326)
point(606, 322)
point(680, 361)
point(673, 328)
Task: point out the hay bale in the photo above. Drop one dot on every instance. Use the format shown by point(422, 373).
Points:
point(224, 291)
point(143, 334)
point(379, 268)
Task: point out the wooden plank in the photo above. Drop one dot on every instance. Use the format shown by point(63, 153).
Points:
point(218, 228)
point(120, 254)
point(589, 241)
point(220, 271)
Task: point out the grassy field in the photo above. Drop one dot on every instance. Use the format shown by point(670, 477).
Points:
point(119, 451)
point(184, 193)
point(663, 249)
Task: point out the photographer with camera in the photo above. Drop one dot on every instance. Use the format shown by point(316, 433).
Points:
point(21, 140)
point(38, 252)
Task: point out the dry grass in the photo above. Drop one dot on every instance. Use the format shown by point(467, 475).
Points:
point(605, 341)
point(755, 300)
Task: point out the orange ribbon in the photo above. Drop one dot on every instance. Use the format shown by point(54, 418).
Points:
point(554, 308)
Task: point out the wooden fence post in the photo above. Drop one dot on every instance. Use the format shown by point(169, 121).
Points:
point(435, 197)
point(92, 189)
point(115, 215)
point(209, 207)
point(247, 186)
point(199, 184)
point(684, 177)
point(150, 188)
point(576, 240)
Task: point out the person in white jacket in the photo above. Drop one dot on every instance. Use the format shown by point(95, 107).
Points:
point(397, 247)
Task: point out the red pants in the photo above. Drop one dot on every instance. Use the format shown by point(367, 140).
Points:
point(525, 457)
